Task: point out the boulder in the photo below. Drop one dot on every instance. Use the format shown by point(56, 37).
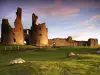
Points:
point(17, 61)
point(98, 52)
point(77, 54)
point(71, 54)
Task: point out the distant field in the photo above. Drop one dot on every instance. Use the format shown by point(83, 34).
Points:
point(49, 61)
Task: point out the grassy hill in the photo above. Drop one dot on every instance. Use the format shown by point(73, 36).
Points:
point(49, 61)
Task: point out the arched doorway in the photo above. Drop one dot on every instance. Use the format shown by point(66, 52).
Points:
point(26, 41)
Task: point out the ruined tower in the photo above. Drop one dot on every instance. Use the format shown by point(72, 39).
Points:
point(18, 30)
point(34, 29)
point(92, 42)
point(39, 33)
point(6, 32)
point(42, 35)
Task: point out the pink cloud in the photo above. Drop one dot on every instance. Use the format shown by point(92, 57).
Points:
point(89, 21)
point(90, 27)
point(95, 17)
point(84, 3)
point(56, 10)
point(58, 2)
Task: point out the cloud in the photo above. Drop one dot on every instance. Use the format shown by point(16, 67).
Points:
point(55, 10)
point(91, 20)
point(84, 3)
point(95, 17)
point(90, 23)
point(58, 2)
point(90, 27)
point(80, 36)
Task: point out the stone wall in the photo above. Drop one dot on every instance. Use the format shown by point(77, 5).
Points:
point(6, 32)
point(27, 36)
point(64, 42)
point(42, 35)
point(39, 32)
point(59, 42)
point(37, 35)
point(34, 29)
point(18, 30)
point(92, 42)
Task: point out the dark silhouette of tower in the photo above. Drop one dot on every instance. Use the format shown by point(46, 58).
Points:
point(6, 32)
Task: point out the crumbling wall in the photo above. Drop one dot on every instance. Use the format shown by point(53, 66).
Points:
point(34, 29)
point(18, 30)
point(80, 43)
point(27, 36)
point(59, 42)
point(64, 42)
point(92, 42)
point(6, 32)
point(42, 35)
point(39, 33)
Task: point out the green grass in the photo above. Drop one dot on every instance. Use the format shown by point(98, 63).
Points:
point(50, 61)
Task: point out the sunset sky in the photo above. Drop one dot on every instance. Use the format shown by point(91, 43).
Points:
point(77, 18)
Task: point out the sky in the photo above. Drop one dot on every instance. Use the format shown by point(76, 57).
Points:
point(77, 18)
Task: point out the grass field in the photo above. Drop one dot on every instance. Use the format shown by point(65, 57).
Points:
point(49, 61)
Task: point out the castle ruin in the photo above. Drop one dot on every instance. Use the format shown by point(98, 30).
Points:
point(92, 42)
point(37, 35)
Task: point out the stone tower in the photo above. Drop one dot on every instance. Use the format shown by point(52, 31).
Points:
point(34, 29)
point(6, 32)
point(18, 30)
point(92, 42)
point(42, 35)
point(39, 33)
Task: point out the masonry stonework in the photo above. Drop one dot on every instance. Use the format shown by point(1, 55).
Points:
point(6, 32)
point(63, 42)
point(18, 30)
point(92, 42)
point(37, 35)
point(39, 32)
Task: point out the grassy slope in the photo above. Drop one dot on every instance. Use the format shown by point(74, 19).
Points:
point(51, 61)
